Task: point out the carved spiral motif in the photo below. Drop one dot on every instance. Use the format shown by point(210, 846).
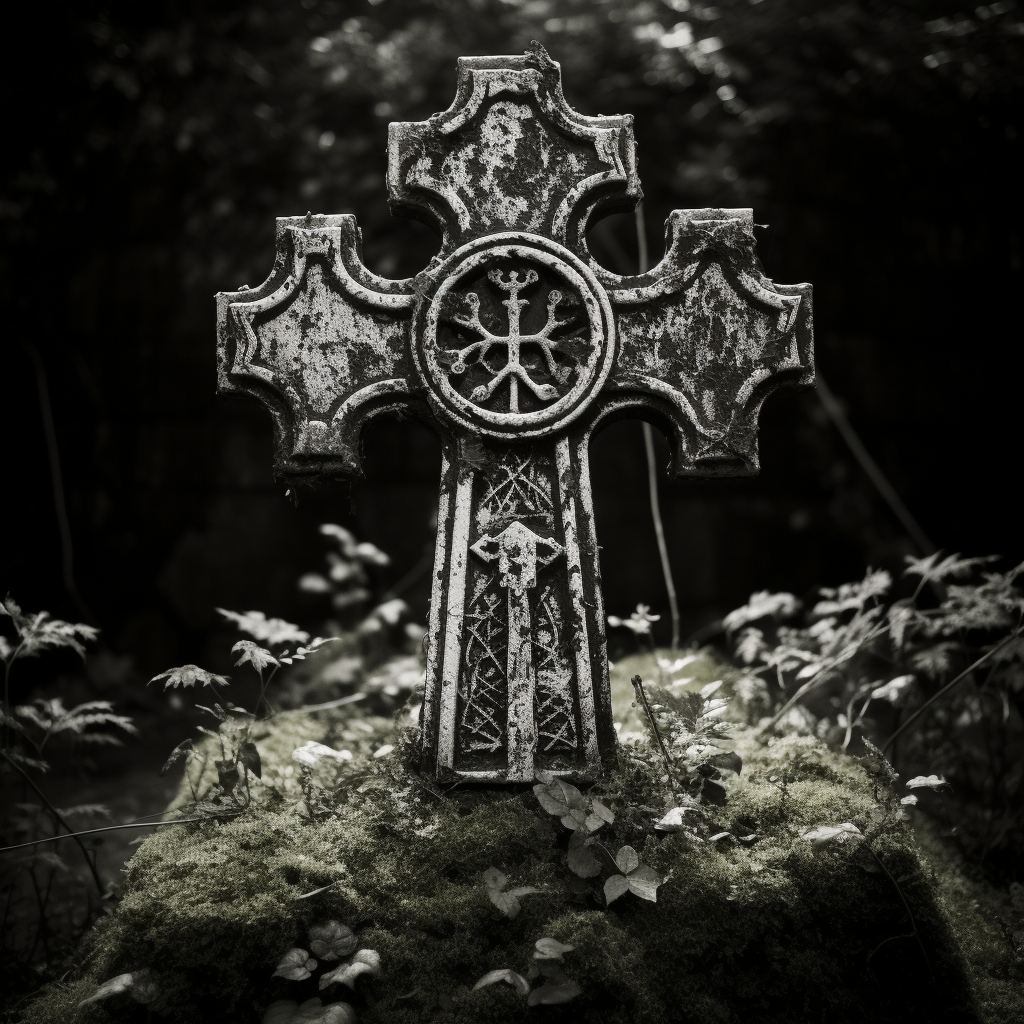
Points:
point(515, 338)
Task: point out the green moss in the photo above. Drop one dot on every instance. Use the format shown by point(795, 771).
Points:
point(764, 931)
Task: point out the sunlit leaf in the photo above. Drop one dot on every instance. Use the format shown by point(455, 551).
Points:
point(825, 834)
point(189, 675)
point(550, 949)
point(517, 981)
point(122, 983)
point(251, 653)
point(270, 631)
point(895, 691)
point(38, 632)
point(927, 782)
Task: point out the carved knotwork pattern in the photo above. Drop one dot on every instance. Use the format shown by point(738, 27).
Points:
point(556, 719)
point(483, 687)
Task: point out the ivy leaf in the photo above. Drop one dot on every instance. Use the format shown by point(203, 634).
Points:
point(249, 757)
point(636, 878)
point(614, 887)
point(366, 961)
point(673, 821)
point(331, 940)
point(507, 902)
point(581, 858)
point(550, 949)
point(176, 755)
point(295, 965)
point(251, 653)
point(517, 981)
point(557, 796)
point(188, 675)
point(927, 782)
point(627, 859)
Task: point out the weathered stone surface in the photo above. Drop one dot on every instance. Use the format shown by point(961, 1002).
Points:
point(515, 344)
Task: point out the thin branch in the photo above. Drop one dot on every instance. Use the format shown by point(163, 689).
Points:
point(871, 468)
point(652, 468)
point(110, 828)
point(949, 686)
point(56, 816)
point(638, 687)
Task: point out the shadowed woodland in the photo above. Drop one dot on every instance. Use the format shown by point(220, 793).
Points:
point(149, 148)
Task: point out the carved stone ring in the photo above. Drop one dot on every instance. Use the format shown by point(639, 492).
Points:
point(491, 372)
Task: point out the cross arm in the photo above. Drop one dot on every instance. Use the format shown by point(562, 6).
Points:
point(705, 338)
point(322, 344)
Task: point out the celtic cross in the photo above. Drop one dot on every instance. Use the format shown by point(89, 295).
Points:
point(515, 345)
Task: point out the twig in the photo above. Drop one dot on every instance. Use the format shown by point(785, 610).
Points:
point(112, 828)
point(906, 907)
point(652, 468)
point(638, 687)
point(59, 504)
point(963, 675)
point(871, 468)
point(57, 817)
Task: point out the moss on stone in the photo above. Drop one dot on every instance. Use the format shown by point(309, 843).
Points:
point(763, 931)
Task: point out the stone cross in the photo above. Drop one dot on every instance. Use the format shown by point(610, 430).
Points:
point(516, 346)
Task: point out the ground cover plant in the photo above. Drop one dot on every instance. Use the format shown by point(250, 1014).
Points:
point(753, 856)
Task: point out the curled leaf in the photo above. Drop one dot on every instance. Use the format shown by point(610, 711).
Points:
point(331, 940)
point(295, 965)
point(927, 782)
point(517, 981)
point(824, 834)
point(176, 755)
point(366, 961)
point(122, 983)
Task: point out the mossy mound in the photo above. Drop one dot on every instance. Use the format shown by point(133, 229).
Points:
point(764, 930)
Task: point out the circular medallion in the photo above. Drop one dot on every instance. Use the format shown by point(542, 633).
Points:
point(515, 336)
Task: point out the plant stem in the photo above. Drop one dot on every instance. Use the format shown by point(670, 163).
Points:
point(56, 817)
point(638, 687)
point(652, 468)
point(963, 675)
point(109, 828)
point(906, 907)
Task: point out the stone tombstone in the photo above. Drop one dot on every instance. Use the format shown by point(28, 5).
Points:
point(515, 345)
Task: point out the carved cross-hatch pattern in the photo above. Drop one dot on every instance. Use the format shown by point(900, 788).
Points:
point(514, 344)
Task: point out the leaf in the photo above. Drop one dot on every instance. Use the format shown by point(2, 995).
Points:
point(311, 752)
point(332, 1013)
point(601, 811)
point(517, 981)
point(927, 782)
point(550, 949)
point(728, 760)
point(762, 605)
point(557, 796)
point(251, 653)
point(331, 940)
point(643, 882)
point(189, 675)
point(614, 887)
point(122, 983)
point(295, 965)
point(895, 691)
point(909, 801)
point(249, 757)
point(176, 755)
point(557, 989)
point(370, 554)
point(227, 774)
point(825, 834)
point(720, 835)
point(506, 902)
point(38, 631)
point(270, 631)
point(627, 859)
point(280, 1012)
point(366, 961)
point(581, 858)
point(931, 570)
point(673, 821)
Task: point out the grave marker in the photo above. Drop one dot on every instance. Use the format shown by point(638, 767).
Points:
point(515, 345)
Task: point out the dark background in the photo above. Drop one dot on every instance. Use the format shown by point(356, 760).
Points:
point(148, 147)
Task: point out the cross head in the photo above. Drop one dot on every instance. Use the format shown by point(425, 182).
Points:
point(515, 345)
